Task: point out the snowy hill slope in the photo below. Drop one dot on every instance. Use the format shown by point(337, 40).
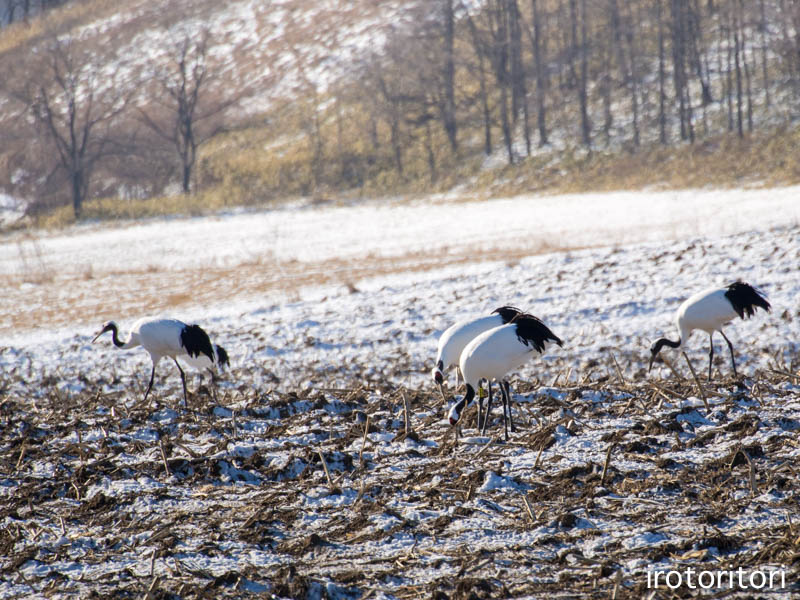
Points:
point(273, 48)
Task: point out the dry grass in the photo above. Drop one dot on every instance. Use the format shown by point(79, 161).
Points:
point(104, 209)
point(64, 298)
point(540, 540)
point(723, 161)
point(235, 175)
point(61, 18)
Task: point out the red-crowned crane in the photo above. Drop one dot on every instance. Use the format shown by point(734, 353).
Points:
point(708, 311)
point(494, 353)
point(169, 338)
point(457, 336)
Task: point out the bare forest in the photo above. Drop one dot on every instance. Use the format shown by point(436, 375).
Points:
point(537, 86)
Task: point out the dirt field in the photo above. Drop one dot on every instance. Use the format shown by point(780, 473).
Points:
point(326, 493)
point(294, 475)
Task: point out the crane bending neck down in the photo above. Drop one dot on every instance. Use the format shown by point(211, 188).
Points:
point(130, 342)
point(710, 310)
point(170, 338)
point(658, 345)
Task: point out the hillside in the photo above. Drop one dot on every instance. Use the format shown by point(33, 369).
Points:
point(255, 57)
point(159, 107)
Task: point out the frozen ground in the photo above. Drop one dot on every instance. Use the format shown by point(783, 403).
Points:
point(195, 266)
point(612, 472)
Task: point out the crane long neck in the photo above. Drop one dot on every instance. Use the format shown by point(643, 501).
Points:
point(115, 337)
point(468, 396)
point(666, 342)
point(455, 411)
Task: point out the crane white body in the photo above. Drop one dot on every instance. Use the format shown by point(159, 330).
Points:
point(169, 338)
point(455, 338)
point(709, 310)
point(493, 353)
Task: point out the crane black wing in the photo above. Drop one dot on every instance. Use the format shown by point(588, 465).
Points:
point(508, 313)
point(745, 299)
point(531, 331)
point(196, 342)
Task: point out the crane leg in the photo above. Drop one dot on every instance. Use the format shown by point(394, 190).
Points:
point(510, 417)
point(183, 381)
point(150, 385)
point(505, 407)
point(730, 347)
point(488, 408)
point(480, 408)
point(711, 353)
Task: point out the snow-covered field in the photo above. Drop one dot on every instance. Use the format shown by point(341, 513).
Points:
point(612, 472)
point(201, 266)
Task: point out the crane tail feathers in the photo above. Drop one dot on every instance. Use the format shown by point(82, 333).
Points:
point(532, 331)
point(507, 313)
point(196, 342)
point(222, 356)
point(745, 299)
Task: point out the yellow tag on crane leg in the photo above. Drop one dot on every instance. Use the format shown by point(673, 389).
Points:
point(482, 393)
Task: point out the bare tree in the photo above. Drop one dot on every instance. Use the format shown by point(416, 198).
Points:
point(448, 103)
point(499, 47)
point(680, 20)
point(182, 110)
point(387, 103)
point(762, 28)
point(481, 49)
point(73, 110)
point(519, 86)
point(579, 47)
point(540, 60)
point(662, 76)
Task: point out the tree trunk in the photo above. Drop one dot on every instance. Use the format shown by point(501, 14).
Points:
point(77, 194)
point(396, 146)
point(633, 78)
point(586, 127)
point(429, 151)
point(187, 178)
point(539, 60)
point(519, 87)
point(764, 71)
point(487, 115)
point(449, 117)
point(662, 100)
point(500, 64)
point(580, 48)
point(729, 69)
point(680, 45)
point(736, 52)
point(748, 87)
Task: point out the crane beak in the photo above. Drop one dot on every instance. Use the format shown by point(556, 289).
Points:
point(441, 391)
point(652, 360)
point(99, 333)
